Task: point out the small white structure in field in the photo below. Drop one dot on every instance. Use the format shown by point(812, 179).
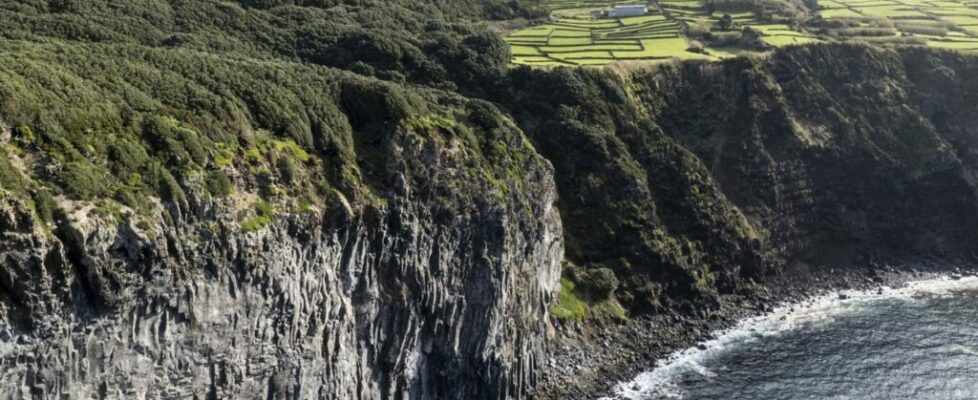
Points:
point(628, 11)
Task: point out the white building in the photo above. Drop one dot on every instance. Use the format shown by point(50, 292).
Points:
point(628, 11)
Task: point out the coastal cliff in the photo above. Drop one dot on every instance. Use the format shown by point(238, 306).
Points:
point(366, 202)
point(687, 178)
point(418, 298)
point(714, 189)
point(404, 244)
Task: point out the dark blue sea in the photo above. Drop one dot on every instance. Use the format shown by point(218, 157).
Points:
point(916, 342)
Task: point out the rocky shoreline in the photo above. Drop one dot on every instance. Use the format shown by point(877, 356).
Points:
point(587, 360)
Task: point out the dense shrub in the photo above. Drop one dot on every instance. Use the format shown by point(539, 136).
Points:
point(82, 180)
point(44, 205)
point(287, 169)
point(166, 185)
point(126, 156)
point(10, 178)
point(182, 146)
point(25, 133)
point(600, 282)
point(218, 184)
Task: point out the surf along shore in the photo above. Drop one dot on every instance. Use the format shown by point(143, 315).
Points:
point(600, 357)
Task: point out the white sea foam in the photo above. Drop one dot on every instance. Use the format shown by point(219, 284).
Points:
point(661, 382)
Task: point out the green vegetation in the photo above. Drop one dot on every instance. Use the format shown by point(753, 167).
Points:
point(570, 306)
point(643, 220)
point(588, 293)
point(579, 39)
point(10, 178)
point(264, 212)
point(600, 282)
point(951, 24)
point(136, 101)
point(717, 29)
point(218, 184)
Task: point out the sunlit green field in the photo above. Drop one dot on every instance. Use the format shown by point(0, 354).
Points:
point(951, 24)
point(578, 37)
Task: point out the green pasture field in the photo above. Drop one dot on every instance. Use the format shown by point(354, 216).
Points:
point(563, 32)
point(686, 12)
point(830, 4)
point(569, 41)
point(525, 51)
point(957, 45)
point(840, 13)
point(875, 4)
point(913, 18)
point(577, 37)
point(528, 41)
point(553, 50)
point(780, 41)
point(582, 54)
point(600, 41)
point(643, 19)
point(721, 52)
point(587, 24)
point(573, 12)
point(535, 59)
point(772, 27)
point(963, 20)
point(592, 61)
point(899, 11)
point(658, 48)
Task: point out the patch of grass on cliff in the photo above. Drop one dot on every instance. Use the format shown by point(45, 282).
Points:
point(610, 308)
point(263, 216)
point(570, 307)
point(10, 179)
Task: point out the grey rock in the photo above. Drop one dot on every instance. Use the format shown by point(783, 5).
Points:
point(357, 303)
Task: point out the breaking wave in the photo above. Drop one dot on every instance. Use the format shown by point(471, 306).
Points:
point(669, 378)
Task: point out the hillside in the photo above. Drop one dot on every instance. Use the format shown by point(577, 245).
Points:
point(331, 199)
point(692, 192)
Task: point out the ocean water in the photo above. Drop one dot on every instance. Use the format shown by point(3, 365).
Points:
point(915, 342)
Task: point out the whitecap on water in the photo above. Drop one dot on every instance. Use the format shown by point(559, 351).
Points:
point(663, 381)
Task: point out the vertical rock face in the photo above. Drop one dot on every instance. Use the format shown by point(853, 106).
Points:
point(702, 184)
point(848, 148)
point(690, 179)
point(403, 300)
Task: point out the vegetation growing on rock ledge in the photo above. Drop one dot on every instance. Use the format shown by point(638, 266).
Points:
point(309, 107)
point(263, 214)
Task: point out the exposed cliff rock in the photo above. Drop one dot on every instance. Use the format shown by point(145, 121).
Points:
point(441, 291)
point(714, 187)
point(691, 179)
